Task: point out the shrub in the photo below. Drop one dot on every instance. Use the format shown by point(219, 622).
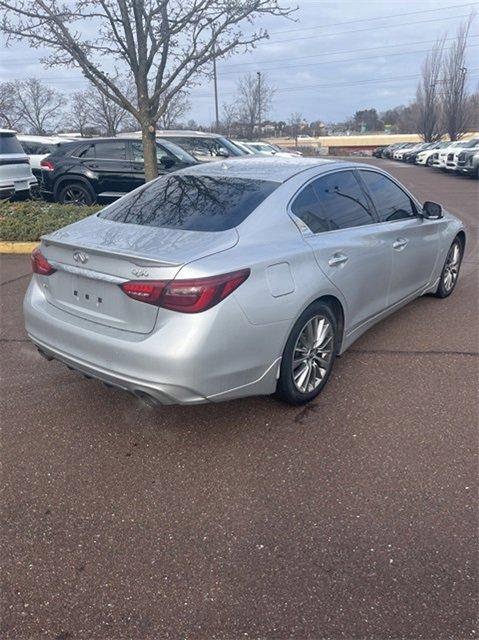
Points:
point(27, 221)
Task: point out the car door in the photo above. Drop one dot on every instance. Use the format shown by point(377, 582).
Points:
point(113, 167)
point(138, 162)
point(346, 243)
point(414, 240)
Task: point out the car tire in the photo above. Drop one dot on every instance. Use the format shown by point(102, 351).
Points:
point(302, 377)
point(450, 270)
point(429, 162)
point(75, 193)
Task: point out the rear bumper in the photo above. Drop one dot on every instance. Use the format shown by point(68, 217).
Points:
point(209, 357)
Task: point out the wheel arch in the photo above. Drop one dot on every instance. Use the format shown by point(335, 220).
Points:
point(461, 236)
point(72, 179)
point(338, 311)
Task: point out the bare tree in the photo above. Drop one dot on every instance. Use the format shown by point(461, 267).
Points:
point(9, 115)
point(105, 114)
point(79, 114)
point(295, 121)
point(455, 100)
point(428, 104)
point(230, 117)
point(160, 45)
point(253, 100)
point(38, 106)
point(175, 110)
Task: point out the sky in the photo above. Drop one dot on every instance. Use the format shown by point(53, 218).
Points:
point(335, 58)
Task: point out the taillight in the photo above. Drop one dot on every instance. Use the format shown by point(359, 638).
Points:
point(40, 264)
point(187, 296)
point(46, 164)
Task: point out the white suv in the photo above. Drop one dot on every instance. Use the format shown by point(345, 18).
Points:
point(16, 177)
point(426, 157)
point(39, 147)
point(445, 157)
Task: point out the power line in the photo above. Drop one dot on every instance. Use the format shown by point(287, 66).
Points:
point(223, 73)
point(338, 84)
point(397, 15)
point(341, 33)
point(330, 53)
point(314, 64)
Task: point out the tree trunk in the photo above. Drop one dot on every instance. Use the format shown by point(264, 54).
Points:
point(148, 134)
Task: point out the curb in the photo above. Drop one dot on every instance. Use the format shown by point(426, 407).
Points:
point(18, 247)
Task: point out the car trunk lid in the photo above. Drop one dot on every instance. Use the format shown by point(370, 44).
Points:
point(94, 256)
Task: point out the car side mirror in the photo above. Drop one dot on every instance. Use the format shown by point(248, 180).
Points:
point(432, 210)
point(167, 162)
point(222, 153)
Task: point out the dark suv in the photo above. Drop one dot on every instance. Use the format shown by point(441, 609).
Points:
point(84, 171)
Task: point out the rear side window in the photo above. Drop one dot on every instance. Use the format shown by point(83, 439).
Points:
point(10, 144)
point(191, 202)
point(111, 150)
point(391, 202)
point(335, 201)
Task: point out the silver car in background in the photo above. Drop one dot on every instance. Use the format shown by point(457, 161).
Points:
point(236, 278)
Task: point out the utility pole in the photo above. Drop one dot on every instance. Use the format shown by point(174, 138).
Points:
point(215, 83)
point(258, 73)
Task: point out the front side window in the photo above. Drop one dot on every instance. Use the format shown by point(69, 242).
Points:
point(191, 202)
point(137, 150)
point(112, 150)
point(335, 201)
point(391, 202)
point(203, 147)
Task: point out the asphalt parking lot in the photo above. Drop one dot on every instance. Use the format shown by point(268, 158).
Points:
point(354, 517)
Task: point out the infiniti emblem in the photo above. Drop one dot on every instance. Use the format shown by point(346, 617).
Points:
point(80, 256)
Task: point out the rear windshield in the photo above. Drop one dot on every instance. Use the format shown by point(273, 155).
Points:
point(191, 202)
point(10, 144)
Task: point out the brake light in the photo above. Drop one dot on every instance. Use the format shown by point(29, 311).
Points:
point(48, 165)
point(186, 296)
point(40, 264)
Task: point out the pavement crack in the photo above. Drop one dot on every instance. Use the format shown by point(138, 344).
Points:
point(25, 275)
point(14, 340)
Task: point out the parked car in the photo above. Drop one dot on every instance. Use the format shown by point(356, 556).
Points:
point(400, 151)
point(39, 147)
point(267, 149)
point(82, 171)
point(440, 157)
point(378, 152)
point(411, 154)
point(244, 147)
point(426, 156)
point(468, 162)
point(16, 178)
point(451, 160)
point(388, 151)
point(237, 278)
point(204, 147)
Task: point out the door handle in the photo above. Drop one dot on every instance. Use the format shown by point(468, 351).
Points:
point(400, 244)
point(92, 165)
point(337, 259)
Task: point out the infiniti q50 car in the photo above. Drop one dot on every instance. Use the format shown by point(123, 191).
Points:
point(236, 278)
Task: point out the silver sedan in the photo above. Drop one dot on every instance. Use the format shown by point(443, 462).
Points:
point(237, 278)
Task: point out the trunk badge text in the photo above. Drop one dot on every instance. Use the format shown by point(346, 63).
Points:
point(80, 256)
point(140, 273)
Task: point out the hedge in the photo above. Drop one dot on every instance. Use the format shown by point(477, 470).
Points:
point(27, 221)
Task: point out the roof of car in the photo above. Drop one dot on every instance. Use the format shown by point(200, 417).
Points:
point(179, 133)
point(42, 139)
point(260, 168)
point(8, 131)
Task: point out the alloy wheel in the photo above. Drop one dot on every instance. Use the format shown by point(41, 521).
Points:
point(74, 195)
point(312, 353)
point(451, 268)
